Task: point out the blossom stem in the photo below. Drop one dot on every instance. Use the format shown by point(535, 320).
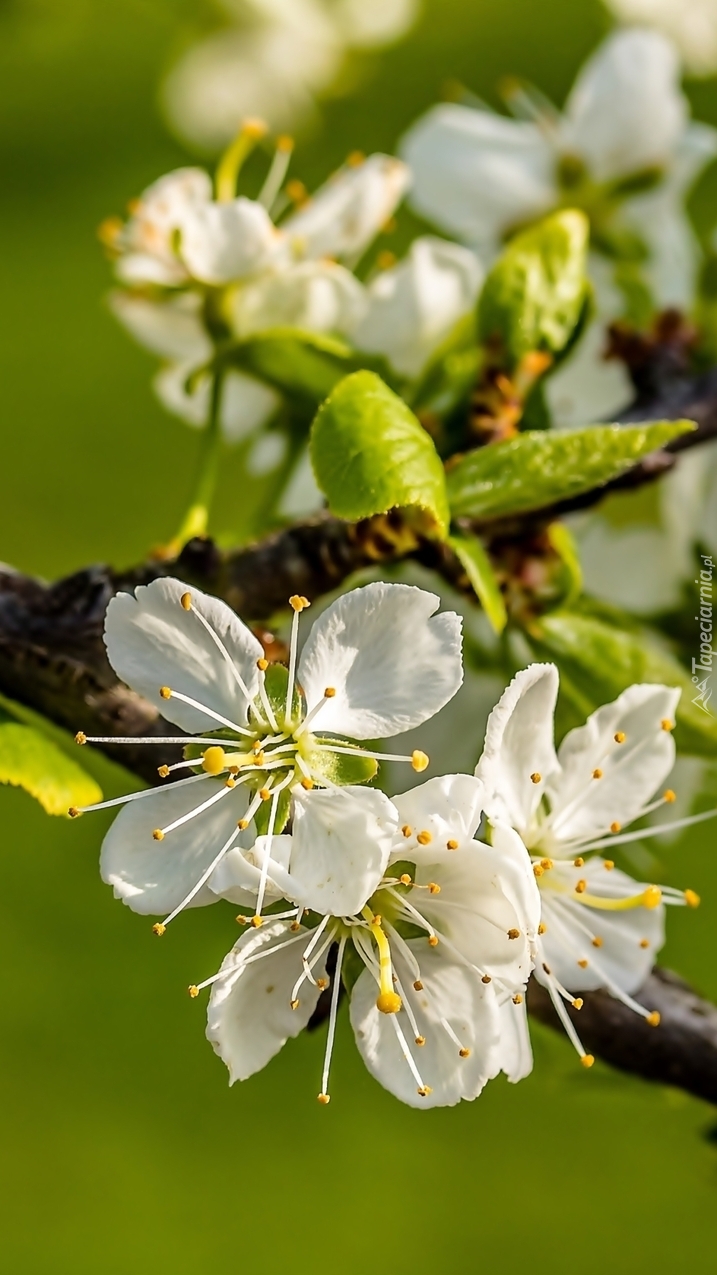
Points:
point(196, 518)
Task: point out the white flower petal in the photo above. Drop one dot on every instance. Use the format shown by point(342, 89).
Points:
point(172, 329)
point(626, 112)
point(414, 306)
point(514, 1050)
point(238, 876)
point(148, 237)
point(392, 665)
point(450, 991)
point(341, 842)
point(246, 405)
point(222, 242)
point(628, 940)
point(153, 877)
point(250, 1017)
point(346, 214)
point(318, 296)
point(153, 642)
point(476, 174)
point(448, 807)
point(518, 745)
point(584, 807)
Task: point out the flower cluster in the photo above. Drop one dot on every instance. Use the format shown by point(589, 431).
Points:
point(431, 930)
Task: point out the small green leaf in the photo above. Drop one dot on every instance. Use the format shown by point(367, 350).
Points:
point(371, 454)
point(535, 293)
point(562, 541)
point(303, 365)
point(29, 760)
point(539, 467)
point(263, 814)
point(341, 768)
point(600, 660)
point(477, 565)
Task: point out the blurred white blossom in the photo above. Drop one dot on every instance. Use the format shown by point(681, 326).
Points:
point(691, 24)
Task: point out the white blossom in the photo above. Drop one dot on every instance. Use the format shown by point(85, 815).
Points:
point(599, 928)
point(690, 24)
point(257, 732)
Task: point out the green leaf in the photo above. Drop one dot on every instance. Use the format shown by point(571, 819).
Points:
point(371, 454)
point(562, 541)
point(533, 296)
point(539, 467)
point(29, 760)
point(600, 660)
point(340, 768)
point(303, 365)
point(477, 565)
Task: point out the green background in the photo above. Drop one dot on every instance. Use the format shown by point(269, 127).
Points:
point(124, 1151)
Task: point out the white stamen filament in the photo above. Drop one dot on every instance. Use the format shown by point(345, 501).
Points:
point(147, 739)
point(203, 878)
point(136, 796)
point(310, 717)
point(403, 1044)
point(620, 839)
point(335, 989)
point(221, 647)
point(307, 972)
point(198, 810)
point(315, 938)
point(270, 717)
point(202, 708)
point(619, 751)
point(267, 852)
point(565, 1019)
point(274, 179)
point(293, 645)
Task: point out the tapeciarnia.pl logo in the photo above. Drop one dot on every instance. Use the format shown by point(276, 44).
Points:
point(702, 668)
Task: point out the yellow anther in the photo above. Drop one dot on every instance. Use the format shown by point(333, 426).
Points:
point(407, 830)
point(159, 929)
point(80, 737)
point(257, 746)
point(264, 793)
point(296, 602)
point(513, 934)
point(263, 665)
point(615, 826)
point(597, 941)
point(579, 862)
point(542, 928)
point(538, 869)
point(433, 887)
point(464, 1053)
point(259, 759)
point(518, 999)
point(377, 919)
point(619, 737)
point(73, 812)
point(546, 864)
point(158, 834)
point(581, 886)
point(386, 259)
point(284, 142)
point(186, 601)
point(295, 927)
point(424, 837)
point(597, 773)
point(163, 771)
point(388, 1002)
point(322, 983)
point(233, 770)
point(257, 921)
point(691, 899)
point(546, 968)
point(405, 879)
point(294, 1004)
point(214, 760)
point(587, 1060)
point(419, 760)
point(652, 897)
point(536, 777)
point(578, 1002)
point(324, 1099)
point(452, 844)
point(418, 985)
point(254, 127)
point(296, 191)
point(109, 231)
point(424, 1091)
point(307, 784)
point(486, 978)
point(242, 824)
point(420, 1040)
point(305, 602)
point(666, 724)
point(644, 943)
point(583, 964)
point(241, 919)
point(230, 782)
point(669, 795)
point(653, 1019)
point(355, 159)
point(165, 692)
point(329, 692)
point(433, 940)
point(608, 865)
point(193, 991)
